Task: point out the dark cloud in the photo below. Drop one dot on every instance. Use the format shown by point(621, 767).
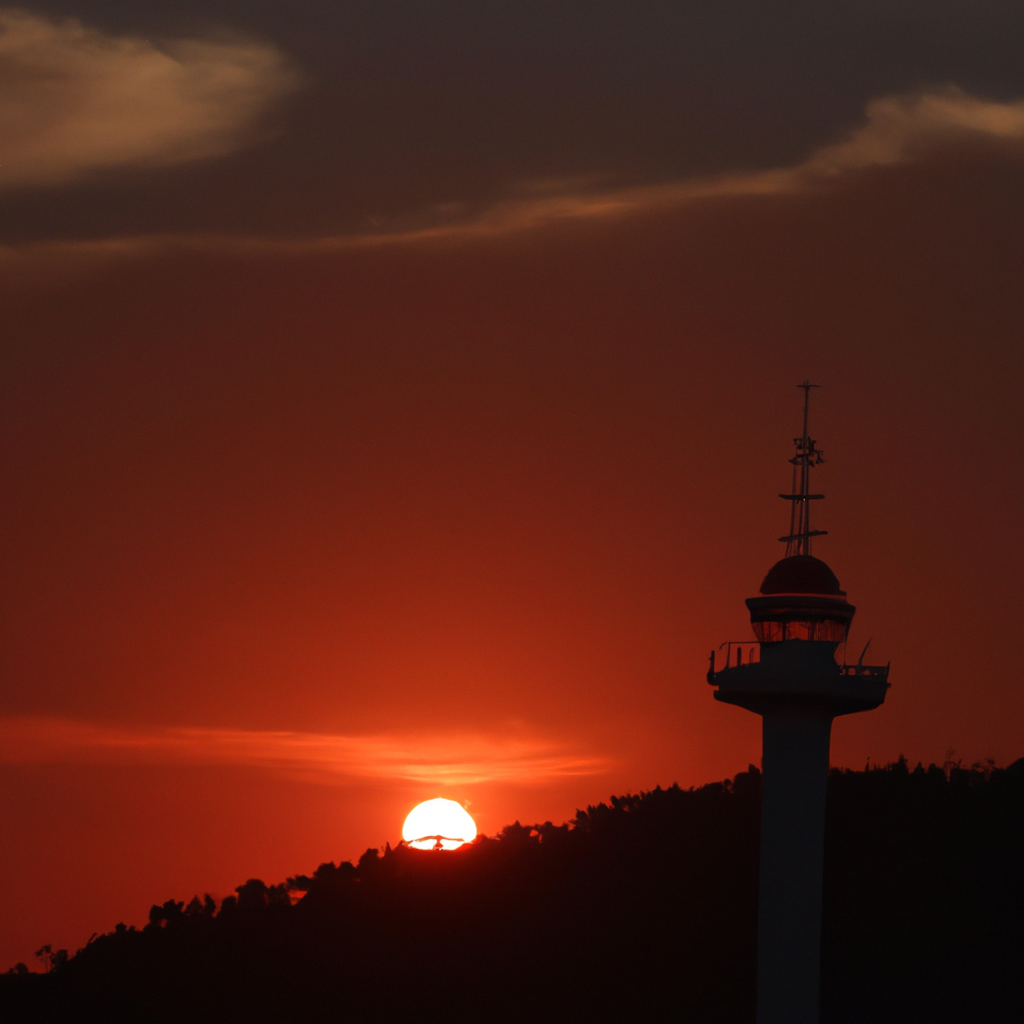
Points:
point(424, 109)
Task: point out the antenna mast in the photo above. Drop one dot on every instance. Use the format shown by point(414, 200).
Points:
point(807, 456)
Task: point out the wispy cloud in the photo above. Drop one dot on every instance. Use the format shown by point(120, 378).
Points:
point(461, 758)
point(896, 130)
point(74, 99)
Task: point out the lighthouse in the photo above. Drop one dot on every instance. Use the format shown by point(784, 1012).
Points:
point(792, 677)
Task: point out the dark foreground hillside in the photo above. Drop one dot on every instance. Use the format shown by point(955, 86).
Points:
point(644, 910)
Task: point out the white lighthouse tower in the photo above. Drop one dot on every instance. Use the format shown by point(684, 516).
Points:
point(791, 678)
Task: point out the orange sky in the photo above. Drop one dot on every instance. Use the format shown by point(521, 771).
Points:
point(300, 531)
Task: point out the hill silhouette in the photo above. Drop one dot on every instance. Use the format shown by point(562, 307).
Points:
point(641, 909)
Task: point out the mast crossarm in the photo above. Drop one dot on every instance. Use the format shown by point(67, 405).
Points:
point(807, 533)
point(808, 455)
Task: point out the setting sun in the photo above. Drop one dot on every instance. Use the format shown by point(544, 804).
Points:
point(438, 824)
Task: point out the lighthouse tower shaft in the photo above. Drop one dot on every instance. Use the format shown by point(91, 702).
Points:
point(795, 772)
point(797, 688)
point(793, 680)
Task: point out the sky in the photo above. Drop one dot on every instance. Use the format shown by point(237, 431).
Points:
point(394, 400)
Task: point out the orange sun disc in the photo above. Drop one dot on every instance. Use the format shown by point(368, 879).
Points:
point(438, 824)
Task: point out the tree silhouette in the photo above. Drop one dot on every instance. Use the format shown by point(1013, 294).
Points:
point(641, 908)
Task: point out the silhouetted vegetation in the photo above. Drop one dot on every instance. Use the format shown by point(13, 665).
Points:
point(644, 909)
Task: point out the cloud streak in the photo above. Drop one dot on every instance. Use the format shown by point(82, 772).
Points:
point(463, 759)
point(74, 100)
point(896, 130)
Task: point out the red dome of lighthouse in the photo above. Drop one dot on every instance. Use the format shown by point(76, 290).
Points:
point(801, 574)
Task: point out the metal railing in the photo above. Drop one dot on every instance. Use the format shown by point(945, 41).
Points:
point(874, 671)
point(748, 652)
point(737, 652)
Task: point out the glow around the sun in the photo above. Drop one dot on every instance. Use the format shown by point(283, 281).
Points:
point(438, 820)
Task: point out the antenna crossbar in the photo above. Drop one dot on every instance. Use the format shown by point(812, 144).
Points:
point(798, 540)
point(810, 533)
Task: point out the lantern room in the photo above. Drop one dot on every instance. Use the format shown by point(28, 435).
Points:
point(800, 599)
